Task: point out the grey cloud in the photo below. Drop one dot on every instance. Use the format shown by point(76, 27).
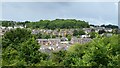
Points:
point(50, 10)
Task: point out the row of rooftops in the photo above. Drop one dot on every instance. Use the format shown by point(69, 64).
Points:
point(58, 31)
point(57, 44)
point(69, 31)
point(64, 40)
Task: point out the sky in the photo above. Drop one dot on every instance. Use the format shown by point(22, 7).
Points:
point(97, 13)
point(59, 0)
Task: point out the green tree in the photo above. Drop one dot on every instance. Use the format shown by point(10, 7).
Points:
point(29, 51)
point(22, 51)
point(15, 37)
point(45, 36)
point(78, 32)
point(102, 51)
point(93, 34)
point(39, 35)
point(69, 37)
point(58, 57)
point(101, 31)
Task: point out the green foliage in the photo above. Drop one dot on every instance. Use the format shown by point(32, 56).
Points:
point(80, 32)
point(110, 26)
point(101, 31)
point(101, 52)
point(38, 36)
point(15, 37)
point(0, 23)
point(69, 37)
point(75, 33)
point(58, 57)
point(93, 34)
point(45, 36)
point(53, 36)
point(8, 23)
point(29, 52)
point(20, 49)
point(47, 24)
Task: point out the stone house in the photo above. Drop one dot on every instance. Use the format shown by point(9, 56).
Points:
point(80, 40)
point(35, 31)
point(87, 30)
point(49, 41)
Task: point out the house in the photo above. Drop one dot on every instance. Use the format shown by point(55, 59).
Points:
point(18, 27)
point(48, 31)
point(55, 32)
point(10, 28)
point(80, 40)
point(87, 30)
point(35, 31)
point(85, 36)
point(97, 29)
point(108, 30)
point(54, 41)
point(64, 40)
point(3, 27)
point(48, 42)
point(42, 41)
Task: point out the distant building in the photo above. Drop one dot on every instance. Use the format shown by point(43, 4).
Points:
point(97, 29)
point(87, 30)
point(85, 36)
point(18, 27)
point(80, 40)
point(10, 28)
point(108, 30)
point(64, 39)
point(108, 34)
point(35, 31)
point(48, 45)
point(49, 41)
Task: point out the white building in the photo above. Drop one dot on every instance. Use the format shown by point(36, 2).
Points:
point(85, 36)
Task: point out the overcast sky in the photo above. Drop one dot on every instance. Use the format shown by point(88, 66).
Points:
point(94, 12)
point(59, 0)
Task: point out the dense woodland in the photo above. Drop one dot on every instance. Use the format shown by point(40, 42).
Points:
point(54, 24)
point(50, 24)
point(22, 50)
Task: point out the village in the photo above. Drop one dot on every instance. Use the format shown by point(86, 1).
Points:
point(59, 33)
point(61, 41)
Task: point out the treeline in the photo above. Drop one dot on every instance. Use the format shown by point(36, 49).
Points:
point(12, 23)
point(106, 26)
point(53, 24)
point(58, 23)
point(20, 48)
point(50, 24)
point(109, 26)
